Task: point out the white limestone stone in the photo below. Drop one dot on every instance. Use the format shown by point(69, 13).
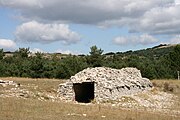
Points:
point(110, 84)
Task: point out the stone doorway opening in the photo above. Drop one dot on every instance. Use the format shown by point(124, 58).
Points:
point(84, 92)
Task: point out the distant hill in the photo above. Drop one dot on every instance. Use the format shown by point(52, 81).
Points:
point(156, 51)
point(158, 62)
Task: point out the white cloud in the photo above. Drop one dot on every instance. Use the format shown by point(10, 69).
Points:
point(7, 44)
point(83, 11)
point(175, 40)
point(67, 52)
point(121, 40)
point(45, 33)
point(20, 3)
point(160, 21)
point(35, 50)
point(150, 16)
point(143, 39)
point(177, 2)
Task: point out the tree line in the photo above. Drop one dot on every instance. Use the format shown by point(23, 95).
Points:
point(153, 63)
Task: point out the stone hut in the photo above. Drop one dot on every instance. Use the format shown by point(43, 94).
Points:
point(103, 84)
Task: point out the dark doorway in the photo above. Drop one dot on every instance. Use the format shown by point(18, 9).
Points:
point(84, 92)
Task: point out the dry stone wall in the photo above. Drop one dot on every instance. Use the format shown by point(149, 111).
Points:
point(110, 84)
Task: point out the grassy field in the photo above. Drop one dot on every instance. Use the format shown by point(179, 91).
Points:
point(172, 86)
point(30, 108)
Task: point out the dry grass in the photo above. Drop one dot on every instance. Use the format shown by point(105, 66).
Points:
point(14, 108)
point(172, 86)
point(28, 109)
point(40, 85)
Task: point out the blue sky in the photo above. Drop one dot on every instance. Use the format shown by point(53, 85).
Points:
point(73, 26)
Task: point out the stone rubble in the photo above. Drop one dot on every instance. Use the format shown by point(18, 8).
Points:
point(5, 83)
point(110, 84)
point(13, 89)
point(160, 100)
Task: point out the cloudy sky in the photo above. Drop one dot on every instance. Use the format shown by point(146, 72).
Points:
point(73, 26)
